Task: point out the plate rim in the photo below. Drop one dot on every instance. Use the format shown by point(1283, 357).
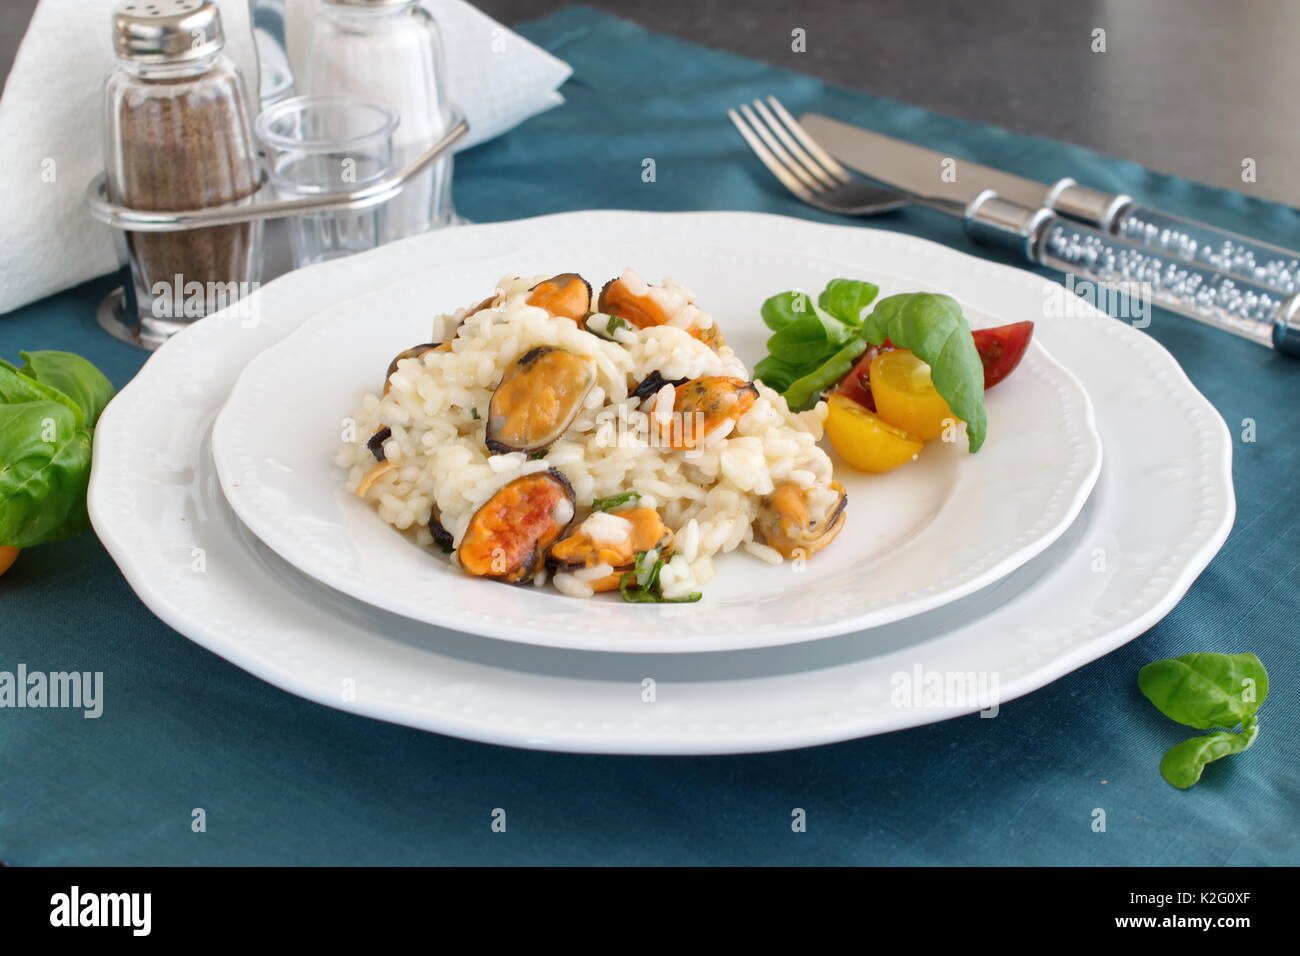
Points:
point(227, 452)
point(171, 608)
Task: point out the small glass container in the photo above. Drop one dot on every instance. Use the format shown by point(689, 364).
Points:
point(389, 51)
point(177, 136)
point(328, 144)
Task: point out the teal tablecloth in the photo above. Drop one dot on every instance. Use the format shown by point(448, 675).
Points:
point(284, 780)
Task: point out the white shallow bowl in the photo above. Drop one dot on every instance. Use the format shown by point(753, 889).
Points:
point(1161, 509)
point(915, 539)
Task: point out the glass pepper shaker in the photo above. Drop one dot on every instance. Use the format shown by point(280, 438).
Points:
point(177, 136)
point(389, 51)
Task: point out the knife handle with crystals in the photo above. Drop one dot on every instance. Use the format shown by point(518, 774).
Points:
point(1182, 239)
point(1247, 308)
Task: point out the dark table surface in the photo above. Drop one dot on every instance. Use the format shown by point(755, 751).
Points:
point(1189, 87)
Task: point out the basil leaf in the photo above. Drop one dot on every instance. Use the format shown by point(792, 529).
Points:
point(847, 298)
point(1206, 690)
point(44, 472)
point(776, 373)
point(614, 501)
point(74, 376)
point(932, 327)
point(16, 388)
point(803, 391)
point(1183, 764)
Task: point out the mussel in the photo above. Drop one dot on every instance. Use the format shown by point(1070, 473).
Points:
point(540, 394)
point(702, 405)
point(788, 522)
point(413, 352)
point(566, 296)
point(618, 298)
point(613, 539)
point(508, 537)
point(643, 310)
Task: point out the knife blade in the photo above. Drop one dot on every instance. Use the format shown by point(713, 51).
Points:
point(940, 178)
point(916, 169)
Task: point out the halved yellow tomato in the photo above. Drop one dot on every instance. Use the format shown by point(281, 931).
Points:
point(8, 555)
point(905, 396)
point(864, 441)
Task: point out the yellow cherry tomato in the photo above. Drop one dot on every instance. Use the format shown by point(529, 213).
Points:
point(8, 554)
point(905, 396)
point(864, 441)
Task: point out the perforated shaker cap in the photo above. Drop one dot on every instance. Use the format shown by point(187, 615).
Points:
point(167, 31)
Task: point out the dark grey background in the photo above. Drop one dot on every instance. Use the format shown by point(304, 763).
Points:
point(1190, 87)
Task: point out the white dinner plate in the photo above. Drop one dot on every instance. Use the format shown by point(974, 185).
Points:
point(915, 539)
point(1161, 509)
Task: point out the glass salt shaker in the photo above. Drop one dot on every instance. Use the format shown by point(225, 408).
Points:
point(389, 51)
point(177, 136)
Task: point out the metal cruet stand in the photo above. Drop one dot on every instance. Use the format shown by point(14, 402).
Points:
point(113, 314)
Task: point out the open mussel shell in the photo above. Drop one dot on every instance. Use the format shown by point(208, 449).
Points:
point(704, 404)
point(540, 395)
point(508, 537)
point(614, 539)
point(413, 352)
point(566, 296)
point(787, 523)
point(441, 536)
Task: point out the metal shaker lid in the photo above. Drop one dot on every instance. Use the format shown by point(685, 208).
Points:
point(167, 31)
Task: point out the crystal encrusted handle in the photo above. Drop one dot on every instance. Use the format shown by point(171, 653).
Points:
point(1189, 241)
point(1186, 286)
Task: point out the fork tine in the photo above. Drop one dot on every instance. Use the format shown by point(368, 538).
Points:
point(780, 172)
point(778, 150)
point(810, 144)
point(794, 148)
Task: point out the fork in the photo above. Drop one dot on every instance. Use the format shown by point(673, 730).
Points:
point(1246, 308)
point(804, 167)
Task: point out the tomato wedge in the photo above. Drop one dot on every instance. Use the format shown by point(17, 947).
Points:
point(857, 384)
point(1001, 349)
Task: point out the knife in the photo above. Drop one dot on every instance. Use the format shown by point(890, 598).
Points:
point(945, 179)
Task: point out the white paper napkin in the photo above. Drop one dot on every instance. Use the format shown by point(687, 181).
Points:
point(51, 127)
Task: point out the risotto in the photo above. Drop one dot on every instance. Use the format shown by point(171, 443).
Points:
point(547, 435)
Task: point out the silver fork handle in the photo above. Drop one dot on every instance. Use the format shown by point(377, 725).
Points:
point(253, 208)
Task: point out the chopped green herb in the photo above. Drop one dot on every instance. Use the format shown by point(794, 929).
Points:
point(615, 323)
point(641, 585)
point(473, 413)
point(614, 501)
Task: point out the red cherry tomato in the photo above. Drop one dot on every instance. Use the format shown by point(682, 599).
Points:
point(857, 384)
point(1002, 348)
